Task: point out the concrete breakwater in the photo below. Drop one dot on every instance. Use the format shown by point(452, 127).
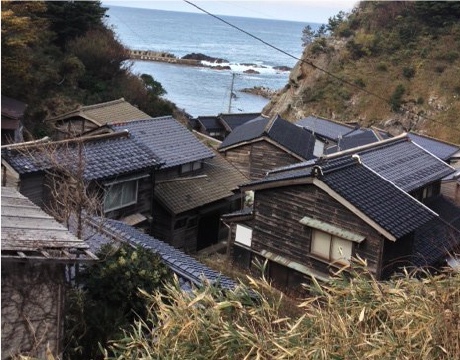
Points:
point(148, 55)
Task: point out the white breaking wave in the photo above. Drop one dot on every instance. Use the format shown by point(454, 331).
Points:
point(241, 68)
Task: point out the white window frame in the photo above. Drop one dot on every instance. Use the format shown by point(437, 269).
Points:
point(122, 186)
point(318, 235)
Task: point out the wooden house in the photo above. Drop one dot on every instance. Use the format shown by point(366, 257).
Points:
point(12, 117)
point(220, 126)
point(193, 187)
point(35, 252)
point(91, 117)
point(264, 144)
point(115, 168)
point(373, 202)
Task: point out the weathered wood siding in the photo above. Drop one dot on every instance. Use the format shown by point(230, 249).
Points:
point(32, 309)
point(451, 190)
point(240, 157)
point(254, 160)
point(265, 157)
point(277, 228)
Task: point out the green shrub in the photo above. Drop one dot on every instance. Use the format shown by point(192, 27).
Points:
point(420, 100)
point(360, 82)
point(109, 298)
point(408, 72)
point(396, 98)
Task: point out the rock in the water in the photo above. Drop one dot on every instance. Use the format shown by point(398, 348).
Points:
point(220, 67)
point(282, 68)
point(203, 57)
point(251, 71)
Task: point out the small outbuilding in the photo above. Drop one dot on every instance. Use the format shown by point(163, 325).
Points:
point(36, 250)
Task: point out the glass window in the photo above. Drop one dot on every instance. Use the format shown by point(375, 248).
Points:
point(321, 244)
point(341, 250)
point(331, 248)
point(120, 195)
point(191, 167)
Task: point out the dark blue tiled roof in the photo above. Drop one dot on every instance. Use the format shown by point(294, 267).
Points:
point(103, 158)
point(281, 131)
point(438, 148)
point(235, 120)
point(183, 265)
point(394, 210)
point(211, 123)
point(433, 241)
point(356, 138)
point(405, 164)
point(168, 140)
point(328, 129)
point(249, 131)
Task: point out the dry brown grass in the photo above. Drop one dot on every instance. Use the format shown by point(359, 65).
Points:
point(406, 318)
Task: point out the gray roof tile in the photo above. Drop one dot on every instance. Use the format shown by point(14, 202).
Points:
point(438, 148)
point(103, 158)
point(328, 129)
point(170, 141)
point(106, 231)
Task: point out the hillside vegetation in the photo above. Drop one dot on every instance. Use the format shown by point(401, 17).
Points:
point(405, 318)
point(57, 55)
point(405, 52)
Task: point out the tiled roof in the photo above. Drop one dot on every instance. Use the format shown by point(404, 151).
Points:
point(400, 161)
point(12, 108)
point(210, 123)
point(111, 112)
point(279, 130)
point(27, 228)
point(357, 138)
point(251, 130)
point(218, 181)
point(328, 129)
point(394, 210)
point(438, 148)
point(390, 207)
point(170, 141)
point(183, 265)
point(103, 158)
point(433, 241)
point(235, 120)
point(404, 163)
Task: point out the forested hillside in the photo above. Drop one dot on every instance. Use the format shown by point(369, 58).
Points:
point(400, 62)
point(56, 55)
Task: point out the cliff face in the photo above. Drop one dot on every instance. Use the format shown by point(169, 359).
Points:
point(408, 53)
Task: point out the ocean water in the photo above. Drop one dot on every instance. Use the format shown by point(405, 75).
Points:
point(205, 91)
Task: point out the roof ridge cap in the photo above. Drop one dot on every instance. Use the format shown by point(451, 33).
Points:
point(270, 123)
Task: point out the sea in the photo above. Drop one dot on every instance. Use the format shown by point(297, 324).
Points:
point(204, 91)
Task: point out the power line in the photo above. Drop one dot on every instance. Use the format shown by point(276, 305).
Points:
point(344, 81)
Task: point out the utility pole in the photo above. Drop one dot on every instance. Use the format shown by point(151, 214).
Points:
point(231, 94)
